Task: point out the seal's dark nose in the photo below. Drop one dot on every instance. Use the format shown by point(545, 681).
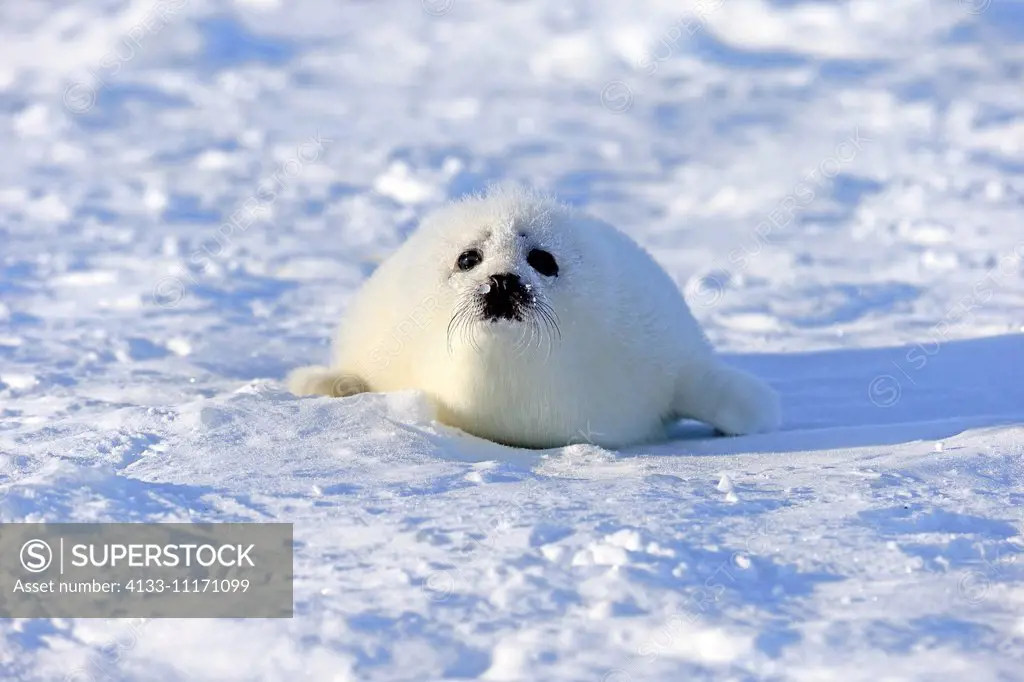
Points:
point(507, 282)
point(505, 297)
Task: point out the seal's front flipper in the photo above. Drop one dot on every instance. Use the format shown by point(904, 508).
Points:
point(732, 401)
point(329, 381)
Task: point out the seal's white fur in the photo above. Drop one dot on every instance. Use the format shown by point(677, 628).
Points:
point(627, 355)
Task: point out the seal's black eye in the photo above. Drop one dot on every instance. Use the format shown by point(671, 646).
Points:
point(543, 262)
point(469, 259)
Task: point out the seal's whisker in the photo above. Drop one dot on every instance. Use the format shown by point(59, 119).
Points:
point(461, 324)
point(473, 341)
point(519, 348)
point(535, 332)
point(550, 317)
point(455, 325)
point(550, 323)
point(451, 328)
point(469, 327)
point(543, 333)
point(523, 340)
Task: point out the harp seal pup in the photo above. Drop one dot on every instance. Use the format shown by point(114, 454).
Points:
point(533, 325)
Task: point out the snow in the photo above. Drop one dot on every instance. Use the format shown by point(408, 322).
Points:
point(193, 189)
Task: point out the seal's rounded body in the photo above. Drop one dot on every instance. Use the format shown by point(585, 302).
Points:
point(532, 325)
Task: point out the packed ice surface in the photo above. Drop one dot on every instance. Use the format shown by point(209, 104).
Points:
point(192, 189)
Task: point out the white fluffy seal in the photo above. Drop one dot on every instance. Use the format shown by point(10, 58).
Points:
point(533, 325)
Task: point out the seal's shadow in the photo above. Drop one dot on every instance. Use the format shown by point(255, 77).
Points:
point(853, 398)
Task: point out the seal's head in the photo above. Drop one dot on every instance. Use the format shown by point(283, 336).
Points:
point(508, 260)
